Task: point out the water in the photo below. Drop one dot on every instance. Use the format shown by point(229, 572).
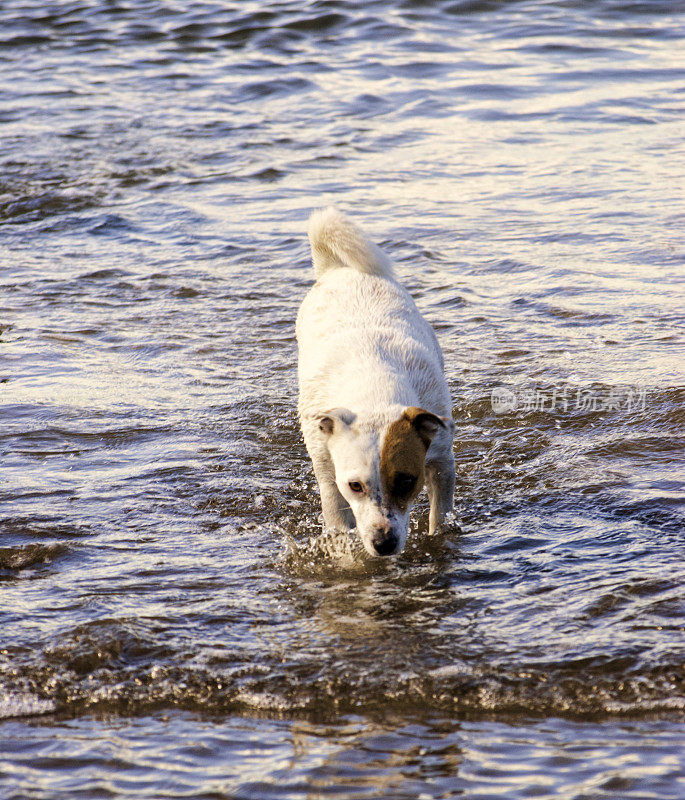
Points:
point(173, 622)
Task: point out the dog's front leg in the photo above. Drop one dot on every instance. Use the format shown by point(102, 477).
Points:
point(336, 512)
point(440, 484)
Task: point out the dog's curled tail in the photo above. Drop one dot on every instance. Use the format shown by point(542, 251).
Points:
point(337, 242)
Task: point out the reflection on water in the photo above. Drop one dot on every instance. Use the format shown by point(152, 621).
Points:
point(168, 599)
point(242, 757)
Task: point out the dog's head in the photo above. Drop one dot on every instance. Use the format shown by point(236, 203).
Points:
point(380, 470)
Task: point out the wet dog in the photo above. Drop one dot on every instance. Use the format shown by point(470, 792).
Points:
point(374, 406)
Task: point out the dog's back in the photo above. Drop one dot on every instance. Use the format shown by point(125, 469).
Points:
point(362, 341)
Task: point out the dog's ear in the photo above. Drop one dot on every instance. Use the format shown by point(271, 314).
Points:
point(328, 420)
point(426, 424)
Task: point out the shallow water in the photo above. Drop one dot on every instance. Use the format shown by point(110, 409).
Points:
point(173, 621)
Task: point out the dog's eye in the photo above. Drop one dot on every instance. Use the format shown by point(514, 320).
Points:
point(403, 484)
point(356, 487)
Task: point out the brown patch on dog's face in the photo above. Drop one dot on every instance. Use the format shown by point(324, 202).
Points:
point(403, 455)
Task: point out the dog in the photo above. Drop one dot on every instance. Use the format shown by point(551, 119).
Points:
point(374, 406)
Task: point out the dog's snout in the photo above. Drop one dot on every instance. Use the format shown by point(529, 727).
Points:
point(384, 540)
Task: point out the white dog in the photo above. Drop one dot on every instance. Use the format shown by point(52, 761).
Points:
point(375, 409)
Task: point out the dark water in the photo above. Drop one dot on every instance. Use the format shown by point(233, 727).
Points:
point(171, 622)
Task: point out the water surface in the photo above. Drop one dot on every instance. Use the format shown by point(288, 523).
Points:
point(173, 622)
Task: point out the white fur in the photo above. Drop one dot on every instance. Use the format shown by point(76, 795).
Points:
point(365, 355)
point(337, 242)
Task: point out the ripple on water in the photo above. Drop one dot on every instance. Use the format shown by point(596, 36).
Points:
point(162, 550)
point(15, 559)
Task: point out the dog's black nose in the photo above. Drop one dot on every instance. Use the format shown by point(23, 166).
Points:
point(384, 542)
